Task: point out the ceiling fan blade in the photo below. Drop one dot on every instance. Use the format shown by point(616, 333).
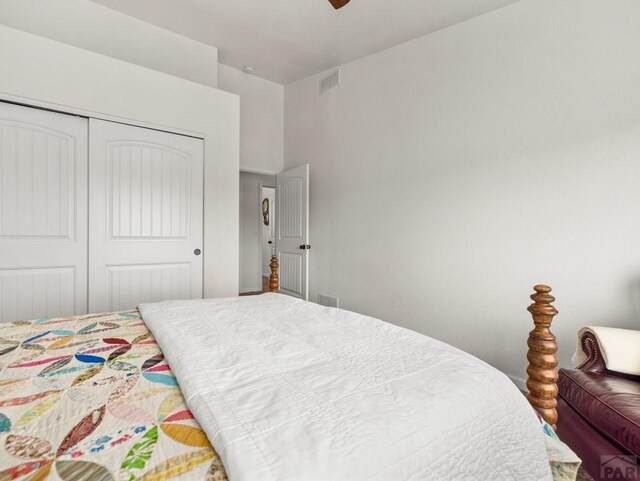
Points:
point(338, 3)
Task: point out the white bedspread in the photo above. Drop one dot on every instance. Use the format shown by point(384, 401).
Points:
point(291, 391)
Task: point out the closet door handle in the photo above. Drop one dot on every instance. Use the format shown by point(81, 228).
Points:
point(197, 252)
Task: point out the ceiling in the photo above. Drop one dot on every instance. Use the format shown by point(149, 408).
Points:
point(286, 40)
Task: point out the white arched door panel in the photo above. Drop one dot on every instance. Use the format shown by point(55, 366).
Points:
point(43, 213)
point(292, 226)
point(146, 216)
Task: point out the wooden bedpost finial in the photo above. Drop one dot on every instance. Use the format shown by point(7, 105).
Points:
point(274, 281)
point(543, 361)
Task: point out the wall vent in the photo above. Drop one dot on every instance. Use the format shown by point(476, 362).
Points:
point(330, 82)
point(329, 301)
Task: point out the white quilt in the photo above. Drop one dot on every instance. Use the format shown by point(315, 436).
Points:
point(291, 391)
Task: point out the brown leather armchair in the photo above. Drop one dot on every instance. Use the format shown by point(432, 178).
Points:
point(599, 413)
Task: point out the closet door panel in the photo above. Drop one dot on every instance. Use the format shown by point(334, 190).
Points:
point(43, 213)
point(146, 216)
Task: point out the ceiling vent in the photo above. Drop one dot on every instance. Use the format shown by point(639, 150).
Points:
point(330, 82)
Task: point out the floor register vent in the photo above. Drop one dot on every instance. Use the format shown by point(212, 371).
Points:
point(329, 301)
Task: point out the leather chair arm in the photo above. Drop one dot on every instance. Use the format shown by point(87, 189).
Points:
point(591, 348)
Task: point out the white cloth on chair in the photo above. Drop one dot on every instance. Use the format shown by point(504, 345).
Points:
point(620, 348)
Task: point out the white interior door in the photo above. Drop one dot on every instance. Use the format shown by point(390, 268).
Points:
point(43, 213)
point(292, 225)
point(146, 216)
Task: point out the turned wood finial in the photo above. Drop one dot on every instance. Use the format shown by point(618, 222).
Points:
point(543, 361)
point(274, 281)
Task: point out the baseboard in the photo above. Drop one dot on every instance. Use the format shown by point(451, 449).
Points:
point(250, 289)
point(520, 382)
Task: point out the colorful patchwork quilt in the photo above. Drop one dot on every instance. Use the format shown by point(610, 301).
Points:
point(91, 398)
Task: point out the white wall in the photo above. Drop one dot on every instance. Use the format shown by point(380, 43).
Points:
point(250, 227)
point(88, 25)
point(452, 173)
point(34, 69)
point(261, 119)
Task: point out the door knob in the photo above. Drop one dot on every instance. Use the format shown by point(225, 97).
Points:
point(305, 246)
point(197, 252)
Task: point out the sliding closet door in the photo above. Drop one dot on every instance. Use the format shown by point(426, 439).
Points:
point(43, 213)
point(145, 218)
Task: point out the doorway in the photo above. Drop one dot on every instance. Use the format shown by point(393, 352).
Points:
point(275, 221)
point(268, 231)
point(255, 234)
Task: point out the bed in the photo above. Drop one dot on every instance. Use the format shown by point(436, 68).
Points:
point(284, 390)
